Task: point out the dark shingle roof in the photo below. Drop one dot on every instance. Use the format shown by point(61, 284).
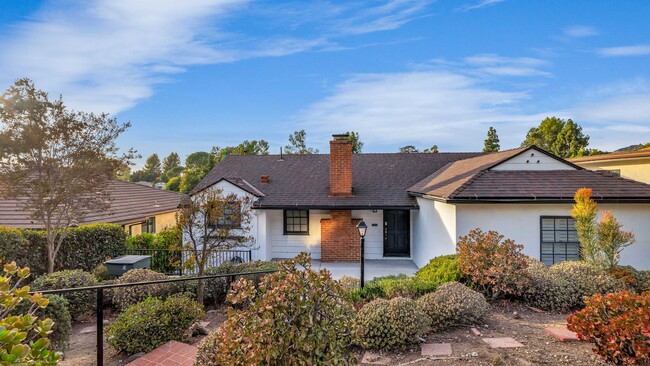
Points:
point(378, 180)
point(130, 203)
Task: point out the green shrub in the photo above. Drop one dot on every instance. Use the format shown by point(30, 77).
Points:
point(635, 280)
point(57, 310)
point(216, 289)
point(169, 238)
point(495, 266)
point(101, 273)
point(79, 302)
point(141, 241)
point(390, 324)
point(23, 339)
point(92, 244)
point(146, 325)
point(125, 296)
point(296, 316)
point(546, 289)
point(207, 351)
point(440, 270)
point(396, 286)
point(643, 281)
point(26, 247)
point(584, 279)
point(349, 283)
point(453, 304)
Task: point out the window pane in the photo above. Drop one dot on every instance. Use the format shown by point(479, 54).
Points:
point(547, 259)
point(547, 248)
point(548, 236)
point(560, 224)
point(548, 224)
point(561, 236)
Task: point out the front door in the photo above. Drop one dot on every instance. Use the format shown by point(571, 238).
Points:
point(397, 241)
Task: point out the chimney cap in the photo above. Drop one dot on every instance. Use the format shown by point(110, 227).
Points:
point(340, 136)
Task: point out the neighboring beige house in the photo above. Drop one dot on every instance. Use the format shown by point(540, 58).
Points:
point(136, 207)
point(629, 164)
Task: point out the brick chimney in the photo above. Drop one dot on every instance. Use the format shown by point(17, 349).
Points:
point(341, 166)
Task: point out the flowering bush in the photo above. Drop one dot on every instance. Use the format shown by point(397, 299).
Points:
point(296, 316)
point(453, 304)
point(619, 326)
point(15, 327)
point(494, 266)
point(390, 324)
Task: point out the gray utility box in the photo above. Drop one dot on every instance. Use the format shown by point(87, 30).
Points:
point(120, 265)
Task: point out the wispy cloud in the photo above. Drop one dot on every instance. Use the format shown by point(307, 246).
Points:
point(479, 5)
point(107, 55)
point(507, 66)
point(580, 31)
point(635, 50)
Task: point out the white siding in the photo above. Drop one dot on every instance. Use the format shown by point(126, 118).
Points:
point(533, 160)
point(288, 246)
point(521, 222)
point(374, 247)
point(434, 230)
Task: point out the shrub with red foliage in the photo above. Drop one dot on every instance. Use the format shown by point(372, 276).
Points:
point(495, 266)
point(618, 324)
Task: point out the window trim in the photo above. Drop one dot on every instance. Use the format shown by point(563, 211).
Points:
point(284, 223)
point(541, 237)
point(234, 225)
point(146, 224)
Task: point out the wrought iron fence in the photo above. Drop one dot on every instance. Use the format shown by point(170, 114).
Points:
point(173, 261)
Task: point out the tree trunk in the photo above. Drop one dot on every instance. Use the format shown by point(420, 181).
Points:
point(200, 286)
point(50, 255)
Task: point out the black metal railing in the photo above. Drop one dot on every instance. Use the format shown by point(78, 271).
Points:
point(173, 261)
point(99, 315)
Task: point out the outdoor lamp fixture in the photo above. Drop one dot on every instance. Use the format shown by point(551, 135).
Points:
point(362, 227)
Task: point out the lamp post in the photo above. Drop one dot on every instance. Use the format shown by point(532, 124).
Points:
point(362, 227)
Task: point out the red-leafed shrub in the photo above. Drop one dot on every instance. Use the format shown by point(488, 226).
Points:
point(618, 324)
point(495, 266)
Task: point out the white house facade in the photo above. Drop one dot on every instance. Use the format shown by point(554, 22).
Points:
point(416, 206)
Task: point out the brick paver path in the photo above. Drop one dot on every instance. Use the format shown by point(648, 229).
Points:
point(171, 353)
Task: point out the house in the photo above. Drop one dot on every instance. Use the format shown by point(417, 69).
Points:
point(628, 164)
point(136, 207)
point(417, 205)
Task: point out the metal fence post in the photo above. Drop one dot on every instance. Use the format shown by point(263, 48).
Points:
point(100, 327)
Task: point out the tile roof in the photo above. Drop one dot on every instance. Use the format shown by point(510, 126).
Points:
point(130, 203)
point(472, 180)
point(378, 180)
point(641, 153)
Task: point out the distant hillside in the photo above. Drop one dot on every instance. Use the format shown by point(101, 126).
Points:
point(633, 147)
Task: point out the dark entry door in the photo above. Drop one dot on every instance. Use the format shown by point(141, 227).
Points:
point(397, 233)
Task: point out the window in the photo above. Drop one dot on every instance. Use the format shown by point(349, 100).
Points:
point(231, 217)
point(296, 222)
point(148, 225)
point(615, 172)
point(559, 240)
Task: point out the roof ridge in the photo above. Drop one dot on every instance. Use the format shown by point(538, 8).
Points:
point(142, 185)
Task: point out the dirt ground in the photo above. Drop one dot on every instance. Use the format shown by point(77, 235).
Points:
point(539, 347)
point(82, 351)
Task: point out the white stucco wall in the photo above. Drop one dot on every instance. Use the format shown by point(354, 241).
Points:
point(533, 160)
point(521, 222)
point(288, 246)
point(434, 231)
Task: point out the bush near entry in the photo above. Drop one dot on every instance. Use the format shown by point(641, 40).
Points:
point(618, 324)
point(296, 316)
point(440, 270)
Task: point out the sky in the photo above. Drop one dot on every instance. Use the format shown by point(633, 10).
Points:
point(190, 75)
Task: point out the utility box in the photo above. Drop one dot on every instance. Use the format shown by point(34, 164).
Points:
point(120, 265)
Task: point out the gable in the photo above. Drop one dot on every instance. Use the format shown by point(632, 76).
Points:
point(533, 159)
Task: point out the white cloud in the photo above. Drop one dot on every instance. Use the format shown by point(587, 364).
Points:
point(507, 66)
point(479, 5)
point(420, 107)
point(580, 31)
point(636, 50)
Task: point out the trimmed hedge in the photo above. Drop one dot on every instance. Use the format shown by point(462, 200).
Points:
point(79, 302)
point(84, 248)
point(441, 270)
point(391, 286)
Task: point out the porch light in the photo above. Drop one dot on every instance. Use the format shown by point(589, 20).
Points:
point(362, 227)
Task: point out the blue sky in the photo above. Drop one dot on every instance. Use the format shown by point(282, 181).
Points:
point(193, 74)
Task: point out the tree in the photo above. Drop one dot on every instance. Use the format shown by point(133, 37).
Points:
point(200, 160)
point(298, 145)
point(563, 138)
point(408, 149)
point(58, 161)
point(171, 161)
point(210, 221)
point(124, 173)
point(357, 144)
point(190, 178)
point(600, 243)
point(253, 147)
point(152, 168)
point(491, 143)
point(172, 173)
point(433, 149)
point(173, 184)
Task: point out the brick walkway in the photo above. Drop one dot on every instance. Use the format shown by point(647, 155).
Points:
point(171, 353)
